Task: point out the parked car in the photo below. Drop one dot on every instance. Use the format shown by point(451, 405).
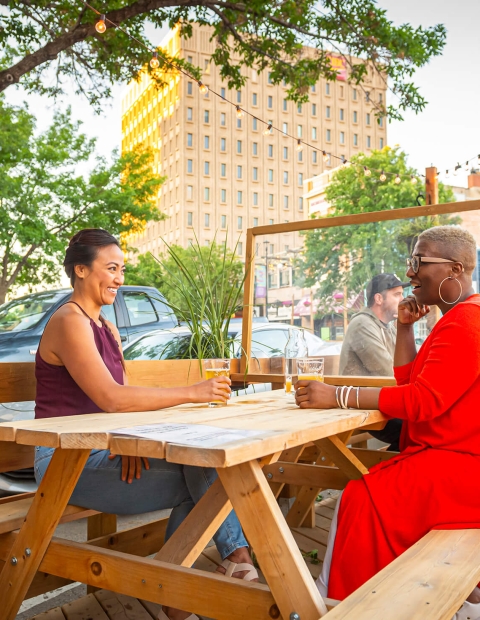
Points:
point(136, 310)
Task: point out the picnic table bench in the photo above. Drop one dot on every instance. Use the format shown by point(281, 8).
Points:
point(431, 580)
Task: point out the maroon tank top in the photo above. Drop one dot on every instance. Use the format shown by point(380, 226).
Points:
point(58, 394)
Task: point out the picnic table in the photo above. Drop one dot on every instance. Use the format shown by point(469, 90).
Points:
point(270, 425)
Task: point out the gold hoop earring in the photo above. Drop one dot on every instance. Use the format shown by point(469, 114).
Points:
point(450, 303)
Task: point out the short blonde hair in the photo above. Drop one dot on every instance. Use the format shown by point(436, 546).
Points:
point(453, 242)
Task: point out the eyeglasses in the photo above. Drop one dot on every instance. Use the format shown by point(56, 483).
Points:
point(415, 261)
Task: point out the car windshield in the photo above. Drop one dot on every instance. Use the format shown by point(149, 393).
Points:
point(24, 313)
point(159, 346)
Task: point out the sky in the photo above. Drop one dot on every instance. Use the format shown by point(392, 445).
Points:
point(446, 132)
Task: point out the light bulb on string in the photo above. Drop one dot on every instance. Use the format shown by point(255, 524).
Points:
point(299, 145)
point(154, 62)
point(268, 129)
point(383, 176)
point(101, 26)
point(467, 166)
point(344, 161)
point(239, 111)
point(478, 160)
point(398, 180)
point(367, 171)
point(203, 88)
point(447, 174)
point(413, 178)
point(456, 169)
point(326, 156)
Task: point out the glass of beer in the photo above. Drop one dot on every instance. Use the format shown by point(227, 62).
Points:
point(310, 369)
point(216, 368)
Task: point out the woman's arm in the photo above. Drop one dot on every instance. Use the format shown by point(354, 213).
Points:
point(70, 339)
point(409, 312)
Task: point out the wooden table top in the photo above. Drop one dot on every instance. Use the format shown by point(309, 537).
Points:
point(281, 424)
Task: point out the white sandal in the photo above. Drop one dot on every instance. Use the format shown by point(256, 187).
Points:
point(231, 568)
point(163, 616)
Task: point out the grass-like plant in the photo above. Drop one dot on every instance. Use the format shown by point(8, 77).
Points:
point(208, 292)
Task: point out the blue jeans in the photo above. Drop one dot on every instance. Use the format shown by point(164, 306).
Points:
point(164, 485)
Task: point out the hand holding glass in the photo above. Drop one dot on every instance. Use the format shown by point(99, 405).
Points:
point(310, 369)
point(216, 368)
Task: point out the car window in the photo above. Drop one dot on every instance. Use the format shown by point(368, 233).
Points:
point(140, 308)
point(271, 342)
point(164, 312)
point(109, 313)
point(157, 346)
point(26, 312)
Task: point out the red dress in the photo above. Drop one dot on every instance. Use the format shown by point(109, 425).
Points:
point(435, 482)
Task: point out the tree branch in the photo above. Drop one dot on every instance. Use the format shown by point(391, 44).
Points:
point(21, 264)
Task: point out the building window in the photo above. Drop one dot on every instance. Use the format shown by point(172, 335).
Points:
point(189, 88)
point(314, 157)
point(270, 175)
point(206, 65)
point(189, 139)
point(255, 124)
point(270, 200)
point(299, 131)
point(207, 220)
point(239, 146)
point(342, 137)
point(189, 114)
point(255, 148)
point(355, 139)
point(327, 88)
point(342, 114)
point(285, 177)
point(270, 150)
point(206, 168)
point(355, 117)
point(239, 96)
point(223, 144)
point(206, 116)
point(300, 203)
point(299, 108)
point(328, 112)
point(222, 93)
point(239, 123)
point(255, 174)
point(239, 172)
point(189, 192)
point(269, 77)
point(240, 248)
point(380, 121)
point(223, 195)
point(255, 221)
point(285, 152)
point(206, 142)
point(314, 109)
point(285, 105)
point(190, 218)
point(300, 156)
point(380, 98)
point(354, 94)
point(285, 128)
point(342, 92)
point(239, 198)
point(369, 142)
point(300, 179)
point(223, 119)
point(314, 133)
point(270, 102)
point(328, 135)
point(381, 143)
point(223, 170)
point(239, 222)
point(189, 166)
point(206, 194)
point(254, 99)
point(314, 89)
point(285, 202)
point(255, 202)
point(368, 119)
point(224, 221)
point(270, 223)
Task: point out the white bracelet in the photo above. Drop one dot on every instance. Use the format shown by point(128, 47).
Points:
point(349, 389)
point(336, 398)
point(358, 394)
point(342, 391)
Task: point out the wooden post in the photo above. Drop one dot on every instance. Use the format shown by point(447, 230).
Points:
point(248, 293)
point(431, 186)
point(345, 311)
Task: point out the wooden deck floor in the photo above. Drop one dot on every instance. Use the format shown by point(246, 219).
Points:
point(103, 605)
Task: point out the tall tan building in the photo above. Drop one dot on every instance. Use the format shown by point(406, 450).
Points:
point(224, 174)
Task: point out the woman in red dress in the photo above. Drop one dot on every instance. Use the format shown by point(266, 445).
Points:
point(435, 476)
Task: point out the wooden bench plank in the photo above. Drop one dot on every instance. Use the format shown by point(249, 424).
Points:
point(432, 579)
point(53, 614)
point(121, 607)
point(87, 608)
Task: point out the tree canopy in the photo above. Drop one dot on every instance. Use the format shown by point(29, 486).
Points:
point(349, 256)
point(44, 199)
point(38, 34)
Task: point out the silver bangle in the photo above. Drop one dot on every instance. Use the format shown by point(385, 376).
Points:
point(349, 389)
point(342, 392)
point(336, 398)
point(358, 394)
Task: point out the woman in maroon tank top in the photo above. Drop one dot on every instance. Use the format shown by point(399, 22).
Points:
point(80, 369)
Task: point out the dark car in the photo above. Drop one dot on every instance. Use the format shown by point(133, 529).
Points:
point(136, 311)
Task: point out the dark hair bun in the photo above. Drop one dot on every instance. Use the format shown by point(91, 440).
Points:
point(83, 249)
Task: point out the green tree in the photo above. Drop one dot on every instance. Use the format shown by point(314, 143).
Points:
point(264, 34)
point(349, 256)
point(44, 199)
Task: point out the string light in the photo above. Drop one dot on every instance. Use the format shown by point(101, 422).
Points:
point(203, 88)
point(239, 112)
point(268, 129)
point(413, 178)
point(154, 62)
point(367, 171)
point(344, 161)
point(383, 176)
point(398, 180)
point(447, 174)
point(101, 26)
point(467, 166)
point(299, 145)
point(326, 156)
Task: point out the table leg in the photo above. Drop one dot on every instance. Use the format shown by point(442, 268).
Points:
point(38, 528)
point(278, 554)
